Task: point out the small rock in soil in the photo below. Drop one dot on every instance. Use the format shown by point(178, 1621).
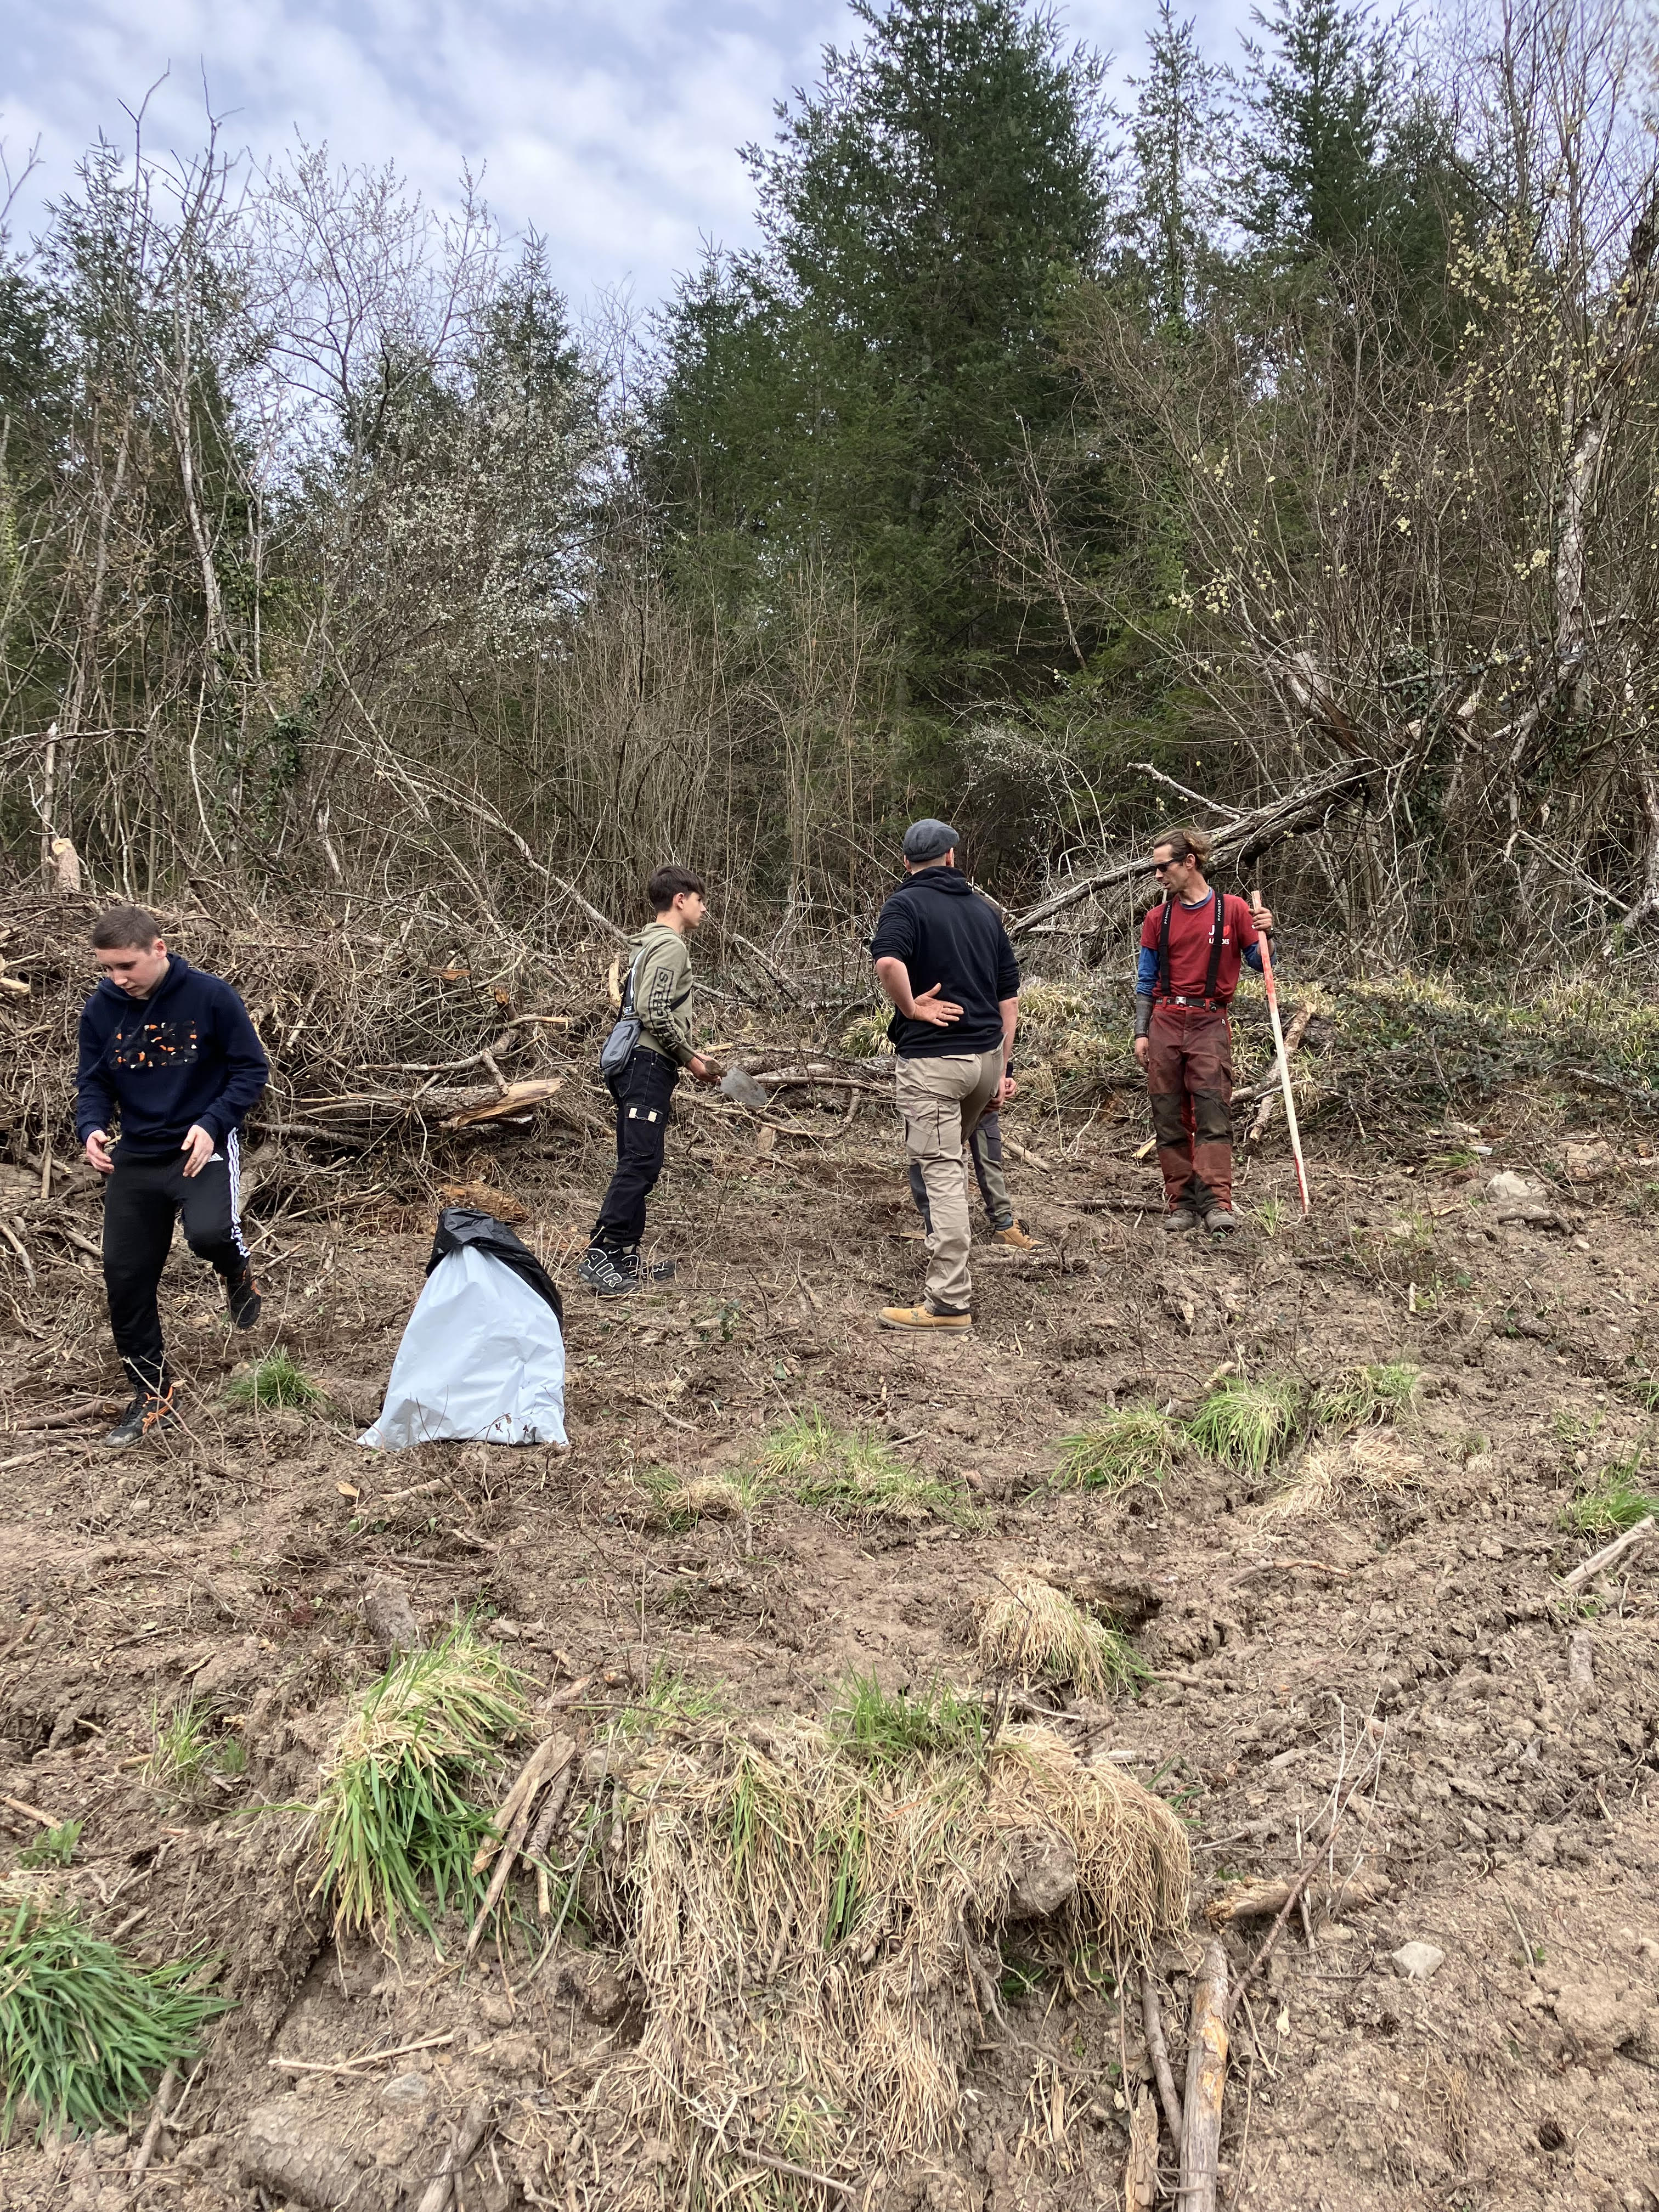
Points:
point(389, 1615)
point(407, 2089)
point(1044, 1874)
point(1417, 1961)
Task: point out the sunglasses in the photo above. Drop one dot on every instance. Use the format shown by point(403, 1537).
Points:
point(1158, 866)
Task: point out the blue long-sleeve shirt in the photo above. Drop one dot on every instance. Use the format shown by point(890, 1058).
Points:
point(187, 1055)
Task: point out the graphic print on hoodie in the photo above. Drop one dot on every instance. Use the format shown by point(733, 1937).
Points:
point(187, 1055)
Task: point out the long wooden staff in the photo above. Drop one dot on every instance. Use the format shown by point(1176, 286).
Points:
point(1284, 1067)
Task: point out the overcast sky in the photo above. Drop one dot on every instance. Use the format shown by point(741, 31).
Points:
point(610, 125)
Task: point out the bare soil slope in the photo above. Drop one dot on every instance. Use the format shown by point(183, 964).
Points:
point(1406, 1621)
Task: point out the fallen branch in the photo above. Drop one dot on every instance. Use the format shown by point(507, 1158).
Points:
point(1616, 1550)
point(152, 2133)
point(461, 2153)
point(1158, 2051)
point(1307, 807)
point(799, 2172)
point(1206, 2077)
point(1293, 1036)
point(553, 1756)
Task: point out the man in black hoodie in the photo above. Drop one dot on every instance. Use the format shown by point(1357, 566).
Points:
point(943, 959)
point(171, 1052)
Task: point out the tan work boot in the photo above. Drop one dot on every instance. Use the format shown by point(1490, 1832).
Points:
point(1017, 1235)
point(923, 1317)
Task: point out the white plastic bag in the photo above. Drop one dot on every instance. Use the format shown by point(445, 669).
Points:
point(481, 1359)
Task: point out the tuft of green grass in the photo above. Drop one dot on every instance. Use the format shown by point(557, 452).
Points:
point(1364, 1395)
point(888, 1728)
point(1248, 1426)
point(855, 1472)
point(84, 2029)
point(394, 1818)
point(183, 1751)
point(55, 1848)
point(1122, 1447)
point(1615, 1501)
point(278, 1380)
point(668, 1697)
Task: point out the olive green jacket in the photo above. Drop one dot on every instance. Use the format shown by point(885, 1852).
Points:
point(662, 991)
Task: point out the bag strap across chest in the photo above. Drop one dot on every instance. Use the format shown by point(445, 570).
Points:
point(1218, 930)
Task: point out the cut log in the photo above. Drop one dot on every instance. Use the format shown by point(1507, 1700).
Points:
point(1206, 2076)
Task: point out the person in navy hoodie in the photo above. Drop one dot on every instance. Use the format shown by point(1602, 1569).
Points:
point(168, 1051)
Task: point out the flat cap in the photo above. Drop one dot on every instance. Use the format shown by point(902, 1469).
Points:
point(928, 840)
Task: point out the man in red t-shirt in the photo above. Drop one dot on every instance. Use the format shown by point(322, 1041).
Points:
point(1192, 947)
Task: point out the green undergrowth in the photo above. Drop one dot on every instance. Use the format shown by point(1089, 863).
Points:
point(190, 1746)
point(84, 2028)
point(1614, 1499)
point(854, 1473)
point(55, 1848)
point(1248, 1426)
point(1367, 1395)
point(887, 1727)
point(396, 1823)
point(278, 1381)
point(1119, 1447)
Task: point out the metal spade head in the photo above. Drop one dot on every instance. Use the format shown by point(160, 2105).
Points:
point(738, 1083)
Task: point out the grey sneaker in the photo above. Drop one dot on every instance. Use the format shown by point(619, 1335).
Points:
point(1221, 1221)
point(602, 1271)
point(1179, 1220)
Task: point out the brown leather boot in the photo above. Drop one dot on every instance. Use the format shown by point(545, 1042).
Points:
point(1017, 1235)
point(924, 1318)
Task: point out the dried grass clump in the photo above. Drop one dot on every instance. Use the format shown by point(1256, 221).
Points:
point(1384, 1392)
point(1036, 1633)
point(854, 1472)
point(394, 1819)
point(1248, 1426)
point(1373, 1464)
point(675, 1501)
point(84, 2029)
point(817, 1928)
point(1122, 1447)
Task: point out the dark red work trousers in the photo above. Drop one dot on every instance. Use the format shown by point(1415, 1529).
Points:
point(1189, 1079)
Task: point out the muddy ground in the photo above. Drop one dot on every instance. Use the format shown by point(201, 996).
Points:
point(1419, 1625)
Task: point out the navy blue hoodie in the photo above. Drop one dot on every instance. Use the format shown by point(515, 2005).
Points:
point(944, 933)
point(186, 1053)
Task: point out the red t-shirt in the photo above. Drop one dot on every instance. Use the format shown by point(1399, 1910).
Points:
point(1191, 928)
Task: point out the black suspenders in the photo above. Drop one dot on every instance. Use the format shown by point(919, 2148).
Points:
point(1214, 972)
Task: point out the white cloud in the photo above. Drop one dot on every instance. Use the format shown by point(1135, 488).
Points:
point(612, 130)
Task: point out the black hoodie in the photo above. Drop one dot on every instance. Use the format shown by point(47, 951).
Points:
point(188, 1053)
point(944, 933)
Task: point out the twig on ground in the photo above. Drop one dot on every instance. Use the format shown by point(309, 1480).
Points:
point(1616, 1550)
point(163, 2099)
point(783, 2166)
point(553, 1757)
point(1207, 2076)
point(1158, 2051)
point(468, 2137)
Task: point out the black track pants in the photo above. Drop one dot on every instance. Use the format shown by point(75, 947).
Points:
point(642, 1091)
point(142, 1201)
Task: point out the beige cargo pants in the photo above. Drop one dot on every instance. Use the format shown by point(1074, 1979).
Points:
point(940, 1103)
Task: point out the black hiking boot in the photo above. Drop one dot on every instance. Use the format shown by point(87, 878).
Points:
point(150, 1411)
point(243, 1299)
point(1221, 1221)
point(1179, 1220)
point(602, 1271)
